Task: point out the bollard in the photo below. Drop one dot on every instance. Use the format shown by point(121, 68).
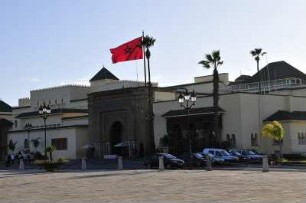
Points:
point(84, 167)
point(120, 166)
point(208, 163)
point(265, 164)
point(21, 164)
point(161, 163)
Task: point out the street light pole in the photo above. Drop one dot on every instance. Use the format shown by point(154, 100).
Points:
point(189, 100)
point(44, 112)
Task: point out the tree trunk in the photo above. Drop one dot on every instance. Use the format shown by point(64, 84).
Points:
point(216, 103)
point(280, 149)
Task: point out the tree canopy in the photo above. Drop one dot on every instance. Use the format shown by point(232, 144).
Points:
point(273, 130)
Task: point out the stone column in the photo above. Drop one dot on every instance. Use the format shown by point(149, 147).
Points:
point(21, 164)
point(120, 165)
point(265, 164)
point(161, 163)
point(208, 163)
point(84, 167)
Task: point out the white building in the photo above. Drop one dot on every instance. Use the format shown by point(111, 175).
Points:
point(242, 111)
point(66, 127)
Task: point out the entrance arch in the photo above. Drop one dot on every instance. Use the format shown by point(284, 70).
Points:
point(115, 137)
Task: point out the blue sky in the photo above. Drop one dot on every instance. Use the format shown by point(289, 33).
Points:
point(47, 43)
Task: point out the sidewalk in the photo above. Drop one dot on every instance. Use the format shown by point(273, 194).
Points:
point(153, 186)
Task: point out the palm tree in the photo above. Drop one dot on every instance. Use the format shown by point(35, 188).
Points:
point(51, 149)
point(146, 43)
point(275, 131)
point(36, 143)
point(257, 53)
point(12, 145)
point(213, 60)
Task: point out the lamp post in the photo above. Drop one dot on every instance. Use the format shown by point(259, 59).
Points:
point(28, 127)
point(187, 101)
point(44, 112)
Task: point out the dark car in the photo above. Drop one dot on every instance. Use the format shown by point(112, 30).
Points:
point(170, 161)
point(251, 155)
point(242, 158)
point(196, 159)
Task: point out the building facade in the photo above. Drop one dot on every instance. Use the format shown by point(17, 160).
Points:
point(111, 116)
point(5, 125)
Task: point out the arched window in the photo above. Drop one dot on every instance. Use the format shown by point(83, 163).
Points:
point(299, 138)
point(255, 139)
point(233, 140)
point(228, 138)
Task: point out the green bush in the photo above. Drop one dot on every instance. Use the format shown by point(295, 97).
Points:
point(50, 165)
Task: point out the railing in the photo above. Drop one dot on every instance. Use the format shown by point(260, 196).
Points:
point(268, 86)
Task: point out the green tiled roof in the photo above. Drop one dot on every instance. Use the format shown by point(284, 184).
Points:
point(287, 116)
point(4, 107)
point(104, 74)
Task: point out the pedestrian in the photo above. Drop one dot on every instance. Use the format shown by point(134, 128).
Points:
point(8, 161)
point(12, 158)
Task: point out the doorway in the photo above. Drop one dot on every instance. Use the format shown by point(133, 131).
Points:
point(116, 138)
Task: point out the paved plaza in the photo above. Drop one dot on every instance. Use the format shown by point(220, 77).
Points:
point(153, 186)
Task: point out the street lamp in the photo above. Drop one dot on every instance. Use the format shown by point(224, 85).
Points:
point(28, 127)
point(187, 101)
point(45, 111)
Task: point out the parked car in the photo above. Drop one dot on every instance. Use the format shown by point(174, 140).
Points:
point(170, 161)
point(214, 159)
point(242, 158)
point(196, 159)
point(221, 153)
point(251, 155)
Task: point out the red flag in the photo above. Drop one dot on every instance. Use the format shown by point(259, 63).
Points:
point(127, 51)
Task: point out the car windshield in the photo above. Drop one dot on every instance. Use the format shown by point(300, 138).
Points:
point(169, 156)
point(197, 155)
point(236, 153)
point(224, 153)
point(251, 153)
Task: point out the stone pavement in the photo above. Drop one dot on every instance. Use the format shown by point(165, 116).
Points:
point(153, 186)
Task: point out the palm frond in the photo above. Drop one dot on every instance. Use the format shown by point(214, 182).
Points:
point(205, 64)
point(216, 55)
point(147, 41)
point(209, 57)
point(258, 51)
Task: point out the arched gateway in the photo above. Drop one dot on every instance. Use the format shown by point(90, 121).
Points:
point(115, 138)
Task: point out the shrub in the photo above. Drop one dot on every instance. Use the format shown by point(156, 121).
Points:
point(50, 165)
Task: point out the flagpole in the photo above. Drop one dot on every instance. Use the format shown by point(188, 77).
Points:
point(144, 62)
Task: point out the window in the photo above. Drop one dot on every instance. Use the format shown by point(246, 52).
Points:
point(233, 140)
point(60, 143)
point(301, 138)
point(228, 138)
point(254, 139)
